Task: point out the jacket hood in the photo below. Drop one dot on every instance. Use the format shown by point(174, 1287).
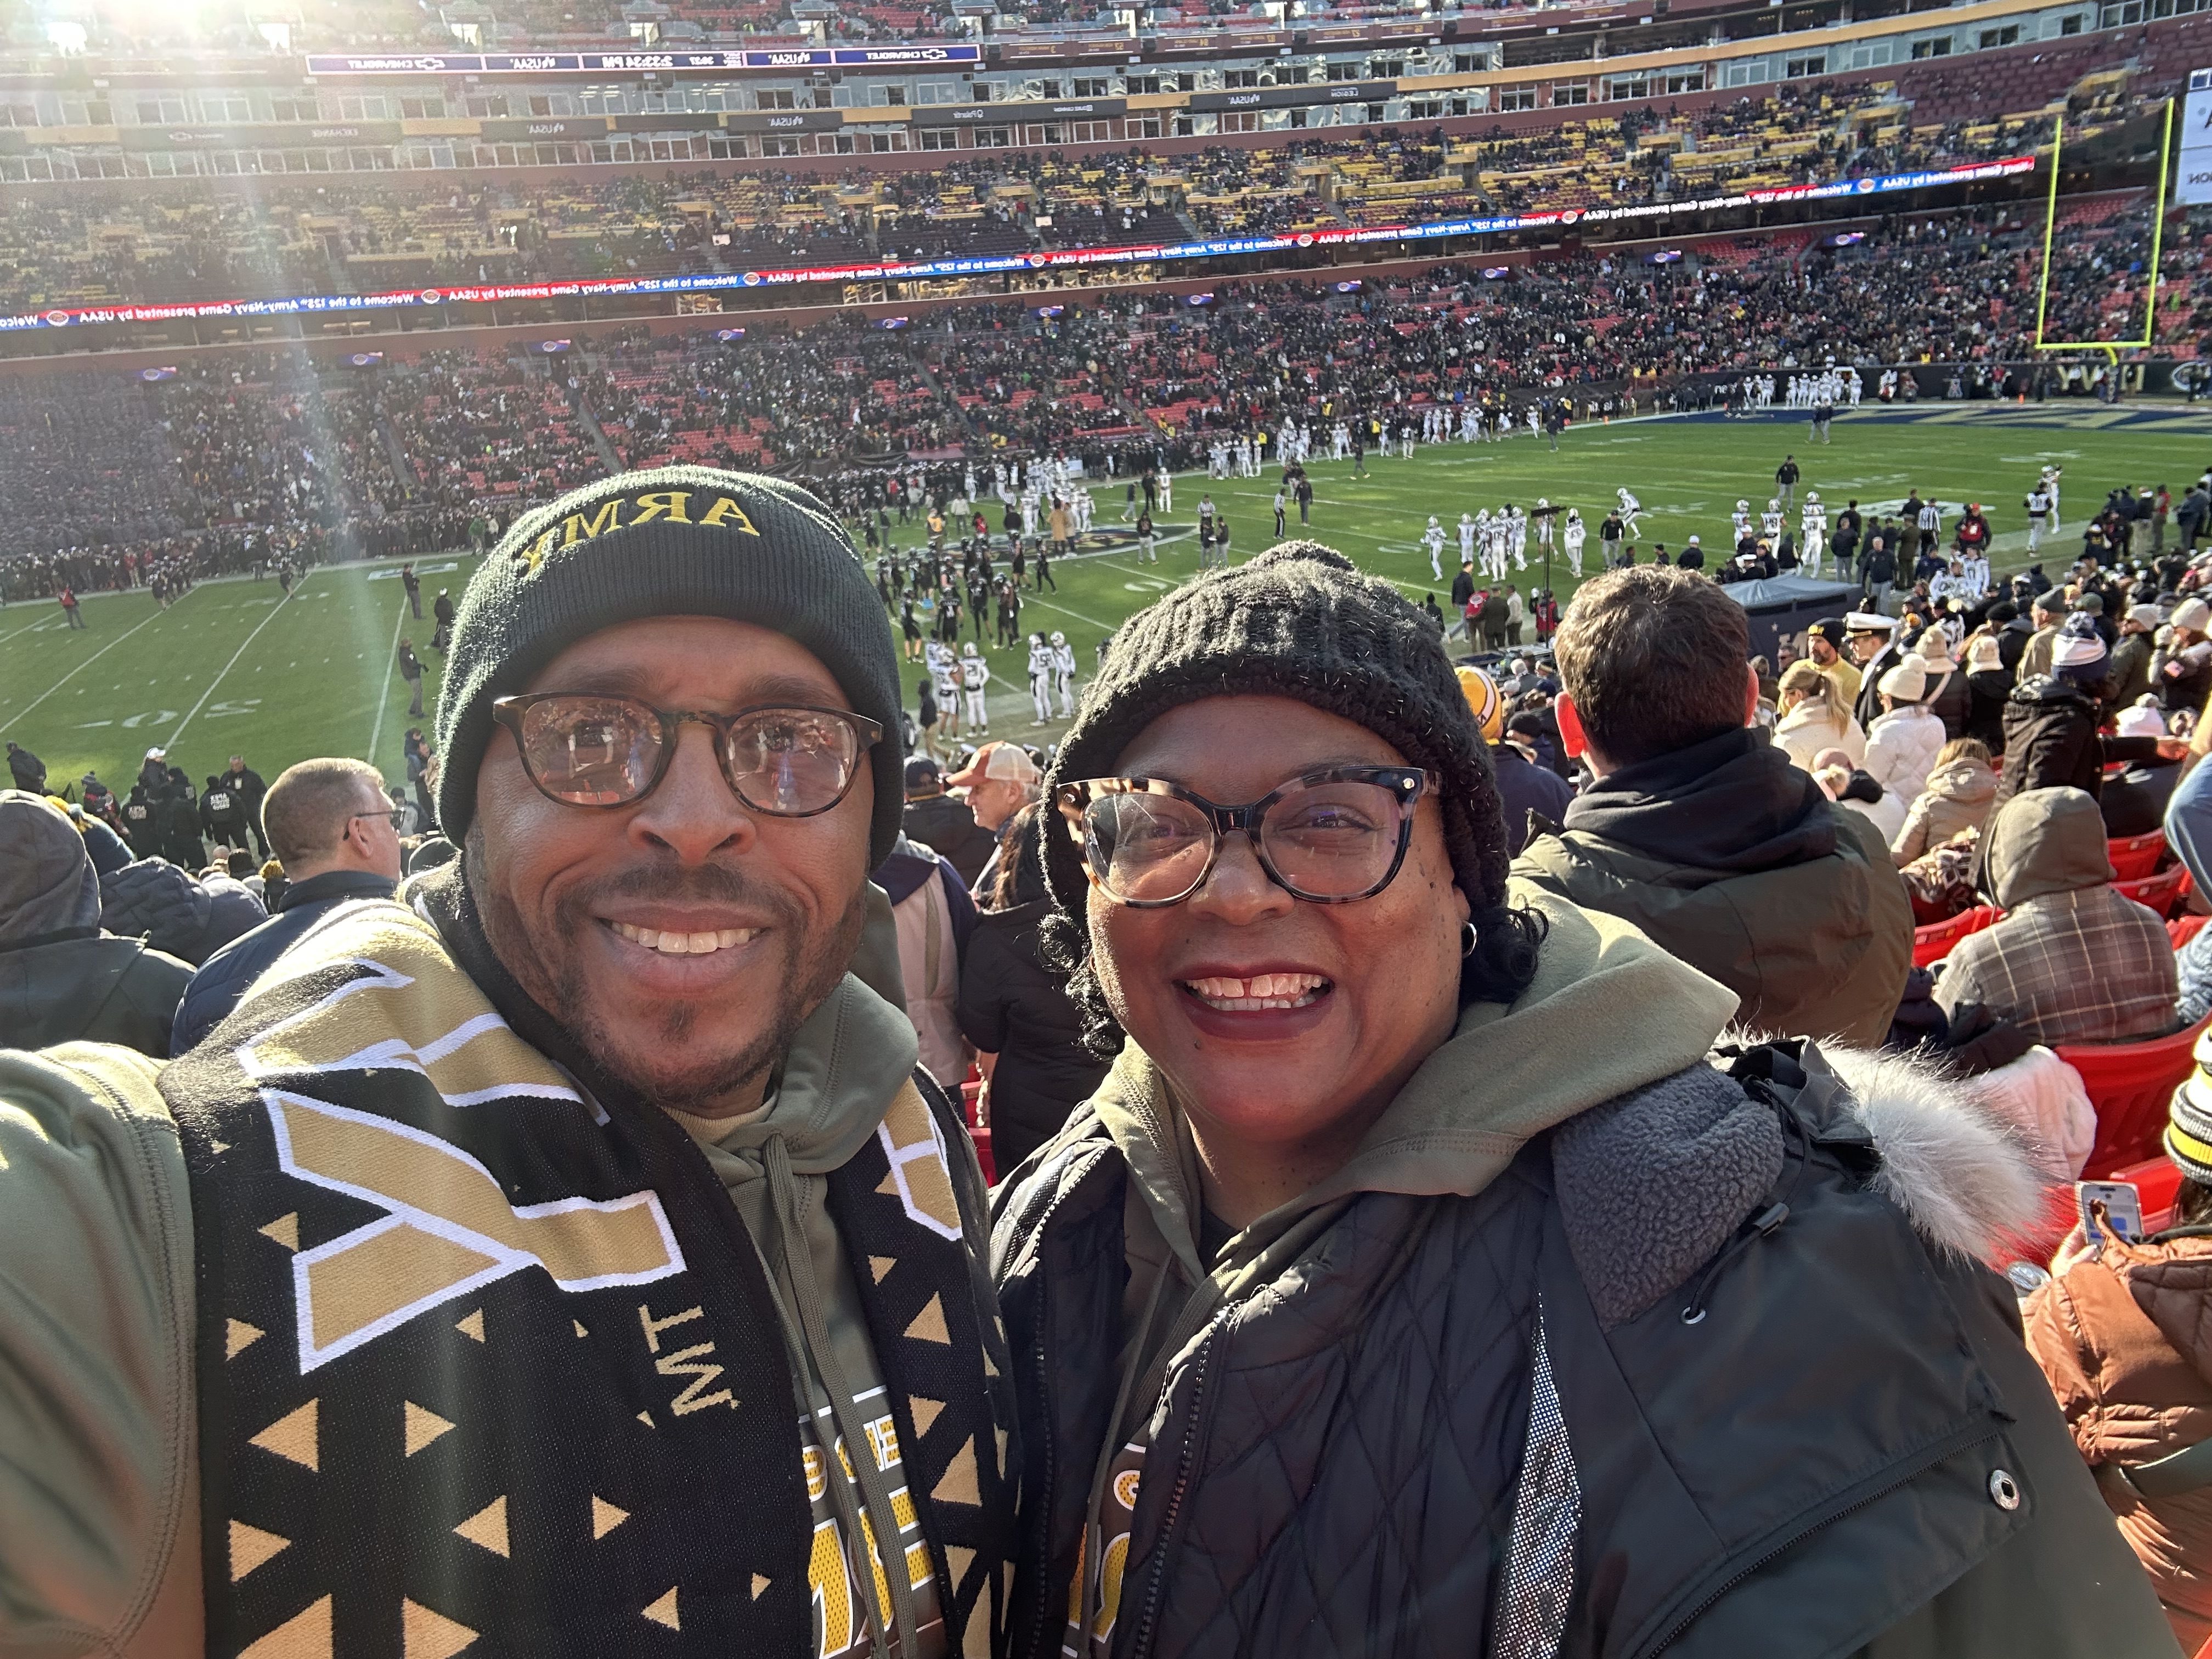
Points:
point(1507, 1073)
point(1968, 782)
point(2044, 841)
point(47, 883)
point(1735, 802)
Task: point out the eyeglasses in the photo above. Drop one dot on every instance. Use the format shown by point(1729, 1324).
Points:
point(395, 816)
point(581, 749)
point(1328, 837)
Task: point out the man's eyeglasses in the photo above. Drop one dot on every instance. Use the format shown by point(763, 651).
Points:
point(1329, 838)
point(582, 749)
point(396, 815)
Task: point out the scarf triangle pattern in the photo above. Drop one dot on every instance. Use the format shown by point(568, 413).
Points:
point(487, 1360)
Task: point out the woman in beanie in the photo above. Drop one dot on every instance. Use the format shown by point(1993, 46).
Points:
point(1413, 1284)
point(2050, 722)
point(2121, 1333)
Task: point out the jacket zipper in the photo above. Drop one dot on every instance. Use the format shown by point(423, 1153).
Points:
point(1789, 1541)
point(1184, 1458)
point(1041, 1362)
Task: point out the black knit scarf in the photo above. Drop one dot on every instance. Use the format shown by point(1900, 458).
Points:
point(486, 1359)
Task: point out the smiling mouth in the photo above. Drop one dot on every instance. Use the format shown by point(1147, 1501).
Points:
point(685, 944)
point(1263, 991)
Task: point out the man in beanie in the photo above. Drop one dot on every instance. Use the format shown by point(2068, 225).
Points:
point(2128, 677)
point(2052, 735)
point(62, 979)
point(1700, 831)
point(1414, 1280)
point(1824, 644)
point(583, 1266)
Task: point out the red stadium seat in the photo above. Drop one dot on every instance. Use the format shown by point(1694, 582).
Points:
point(2129, 1084)
point(2160, 892)
point(1931, 944)
point(2137, 856)
point(2182, 929)
point(2157, 1182)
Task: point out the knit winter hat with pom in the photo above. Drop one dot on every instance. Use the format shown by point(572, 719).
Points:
point(1299, 621)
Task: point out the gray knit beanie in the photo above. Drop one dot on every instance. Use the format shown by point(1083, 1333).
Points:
point(1300, 621)
point(675, 541)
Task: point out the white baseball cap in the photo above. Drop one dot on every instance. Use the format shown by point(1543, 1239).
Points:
point(1003, 762)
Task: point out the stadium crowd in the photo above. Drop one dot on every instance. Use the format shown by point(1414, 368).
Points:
point(336, 236)
point(234, 464)
point(1321, 1063)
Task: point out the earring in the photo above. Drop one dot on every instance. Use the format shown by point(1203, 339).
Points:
point(1467, 947)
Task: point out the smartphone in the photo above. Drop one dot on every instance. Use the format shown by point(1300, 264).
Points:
point(2122, 1207)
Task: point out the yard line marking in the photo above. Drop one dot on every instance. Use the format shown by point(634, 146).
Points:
point(18, 714)
point(275, 611)
point(383, 686)
point(25, 628)
point(1048, 606)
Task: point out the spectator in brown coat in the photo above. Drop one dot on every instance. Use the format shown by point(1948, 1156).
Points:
point(2121, 1331)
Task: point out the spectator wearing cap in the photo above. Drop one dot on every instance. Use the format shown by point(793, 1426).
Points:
point(2072, 961)
point(1815, 716)
point(943, 822)
point(2090, 603)
point(999, 781)
point(2119, 1331)
point(2135, 802)
point(1700, 831)
point(1871, 639)
point(2049, 610)
point(1824, 646)
point(1903, 743)
point(2181, 672)
point(2129, 676)
point(1948, 698)
point(1989, 683)
point(2050, 723)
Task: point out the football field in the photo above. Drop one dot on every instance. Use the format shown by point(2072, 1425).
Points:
point(230, 669)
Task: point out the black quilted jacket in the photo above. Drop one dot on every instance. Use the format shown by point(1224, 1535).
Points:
point(1679, 1381)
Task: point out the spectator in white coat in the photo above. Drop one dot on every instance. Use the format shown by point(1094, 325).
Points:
point(1903, 743)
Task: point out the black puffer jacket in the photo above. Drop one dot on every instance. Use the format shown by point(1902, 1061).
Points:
point(1013, 1007)
point(1693, 1376)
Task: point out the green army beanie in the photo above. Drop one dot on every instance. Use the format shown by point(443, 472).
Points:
point(674, 541)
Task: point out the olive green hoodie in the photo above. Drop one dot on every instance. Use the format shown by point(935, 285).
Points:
point(99, 1468)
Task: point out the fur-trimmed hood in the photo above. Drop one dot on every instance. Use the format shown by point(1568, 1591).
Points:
point(1967, 1180)
point(1653, 1185)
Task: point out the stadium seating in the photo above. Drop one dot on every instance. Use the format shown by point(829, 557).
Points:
point(1931, 944)
point(2130, 1083)
point(2160, 892)
point(2137, 856)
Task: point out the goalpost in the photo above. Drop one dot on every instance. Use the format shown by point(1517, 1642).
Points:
point(2110, 348)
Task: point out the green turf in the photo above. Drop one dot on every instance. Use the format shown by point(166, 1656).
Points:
point(228, 670)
